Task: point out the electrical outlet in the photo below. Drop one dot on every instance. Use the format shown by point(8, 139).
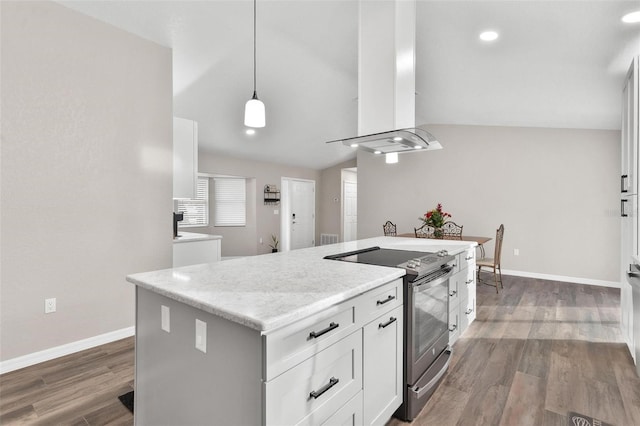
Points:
point(165, 318)
point(201, 336)
point(49, 305)
point(516, 252)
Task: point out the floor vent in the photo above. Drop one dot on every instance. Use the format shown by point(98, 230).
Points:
point(328, 239)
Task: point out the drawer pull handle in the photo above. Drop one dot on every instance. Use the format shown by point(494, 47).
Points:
point(468, 258)
point(453, 327)
point(391, 321)
point(316, 334)
point(388, 299)
point(469, 281)
point(453, 293)
point(316, 394)
point(468, 311)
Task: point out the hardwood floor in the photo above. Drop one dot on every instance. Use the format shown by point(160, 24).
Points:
point(536, 351)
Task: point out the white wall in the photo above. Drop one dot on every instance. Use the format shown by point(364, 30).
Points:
point(555, 191)
point(86, 174)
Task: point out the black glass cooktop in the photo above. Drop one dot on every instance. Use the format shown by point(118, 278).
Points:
point(379, 256)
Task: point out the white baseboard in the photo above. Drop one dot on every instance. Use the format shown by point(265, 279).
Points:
point(563, 278)
point(69, 348)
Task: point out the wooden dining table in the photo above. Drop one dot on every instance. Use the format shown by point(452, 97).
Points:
point(479, 240)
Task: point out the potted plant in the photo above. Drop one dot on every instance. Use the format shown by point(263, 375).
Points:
point(436, 218)
point(274, 243)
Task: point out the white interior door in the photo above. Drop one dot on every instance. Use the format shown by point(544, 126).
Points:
point(350, 210)
point(301, 214)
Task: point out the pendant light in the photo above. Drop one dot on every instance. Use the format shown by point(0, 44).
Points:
point(254, 108)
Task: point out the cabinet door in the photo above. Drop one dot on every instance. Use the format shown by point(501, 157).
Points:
point(629, 131)
point(185, 158)
point(382, 378)
point(195, 252)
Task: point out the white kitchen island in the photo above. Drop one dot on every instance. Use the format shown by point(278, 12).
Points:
point(283, 338)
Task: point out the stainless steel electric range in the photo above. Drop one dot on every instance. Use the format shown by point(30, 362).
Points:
point(426, 318)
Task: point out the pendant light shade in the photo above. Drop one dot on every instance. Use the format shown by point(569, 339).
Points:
point(254, 113)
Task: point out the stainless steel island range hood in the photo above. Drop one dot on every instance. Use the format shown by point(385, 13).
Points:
point(411, 139)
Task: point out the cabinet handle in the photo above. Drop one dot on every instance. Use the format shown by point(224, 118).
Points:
point(469, 281)
point(316, 334)
point(453, 327)
point(622, 204)
point(468, 258)
point(622, 179)
point(388, 299)
point(316, 394)
point(391, 321)
point(453, 293)
point(468, 311)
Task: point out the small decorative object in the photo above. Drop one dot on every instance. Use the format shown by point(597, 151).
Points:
point(274, 243)
point(436, 218)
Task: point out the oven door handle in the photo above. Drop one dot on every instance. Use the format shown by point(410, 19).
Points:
point(426, 284)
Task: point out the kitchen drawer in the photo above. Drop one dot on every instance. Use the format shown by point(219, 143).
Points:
point(466, 259)
point(349, 415)
point(379, 300)
point(468, 307)
point(290, 345)
point(315, 389)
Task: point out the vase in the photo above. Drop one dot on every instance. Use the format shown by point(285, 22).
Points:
point(438, 233)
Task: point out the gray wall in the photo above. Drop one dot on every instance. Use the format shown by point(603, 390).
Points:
point(238, 241)
point(555, 191)
point(330, 210)
point(86, 174)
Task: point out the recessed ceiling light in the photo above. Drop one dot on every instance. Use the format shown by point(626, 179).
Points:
point(417, 147)
point(397, 139)
point(377, 152)
point(250, 131)
point(631, 18)
point(354, 145)
point(488, 36)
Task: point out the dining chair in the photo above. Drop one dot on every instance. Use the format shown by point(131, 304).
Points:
point(425, 231)
point(493, 262)
point(451, 231)
point(389, 229)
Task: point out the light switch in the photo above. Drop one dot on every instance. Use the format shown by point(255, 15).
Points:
point(165, 318)
point(276, 211)
point(201, 336)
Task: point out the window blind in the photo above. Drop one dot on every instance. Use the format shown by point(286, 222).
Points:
point(230, 201)
point(196, 211)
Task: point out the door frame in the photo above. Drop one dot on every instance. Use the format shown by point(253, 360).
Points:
point(285, 211)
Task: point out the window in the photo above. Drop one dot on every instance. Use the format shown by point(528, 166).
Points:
point(230, 201)
point(196, 211)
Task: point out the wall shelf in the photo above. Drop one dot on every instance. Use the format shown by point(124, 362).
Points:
point(271, 195)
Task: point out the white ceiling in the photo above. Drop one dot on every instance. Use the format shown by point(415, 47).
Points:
point(556, 64)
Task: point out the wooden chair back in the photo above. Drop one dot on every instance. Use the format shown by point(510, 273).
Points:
point(389, 229)
point(498, 248)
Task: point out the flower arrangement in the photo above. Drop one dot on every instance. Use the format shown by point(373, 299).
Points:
point(435, 217)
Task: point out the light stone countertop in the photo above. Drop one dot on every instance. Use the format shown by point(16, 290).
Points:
point(186, 237)
point(273, 290)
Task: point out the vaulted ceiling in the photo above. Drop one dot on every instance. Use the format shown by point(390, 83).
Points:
point(555, 64)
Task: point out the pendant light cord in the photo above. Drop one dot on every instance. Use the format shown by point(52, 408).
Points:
point(254, 48)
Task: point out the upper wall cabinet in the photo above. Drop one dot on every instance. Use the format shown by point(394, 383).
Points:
point(185, 158)
point(630, 94)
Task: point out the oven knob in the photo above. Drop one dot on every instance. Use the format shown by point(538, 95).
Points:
point(417, 261)
point(410, 264)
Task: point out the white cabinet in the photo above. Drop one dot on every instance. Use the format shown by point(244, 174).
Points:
point(629, 185)
point(462, 294)
point(383, 367)
point(316, 366)
point(185, 158)
point(194, 251)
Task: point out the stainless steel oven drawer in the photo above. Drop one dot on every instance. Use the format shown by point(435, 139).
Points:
point(419, 393)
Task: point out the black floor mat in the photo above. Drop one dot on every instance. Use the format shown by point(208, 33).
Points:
point(127, 400)
point(575, 419)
